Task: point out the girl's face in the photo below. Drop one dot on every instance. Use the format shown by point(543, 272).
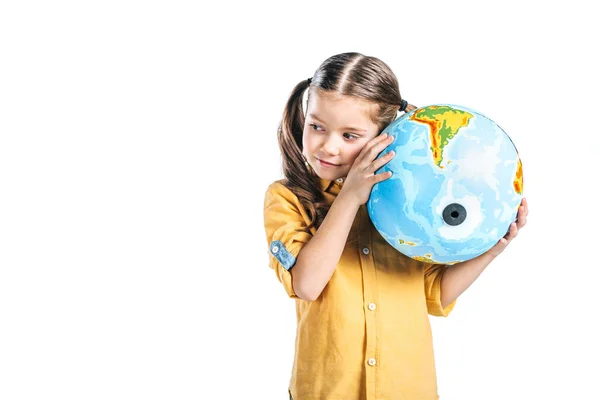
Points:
point(335, 131)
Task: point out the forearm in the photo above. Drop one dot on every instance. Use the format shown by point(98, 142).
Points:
point(458, 277)
point(319, 257)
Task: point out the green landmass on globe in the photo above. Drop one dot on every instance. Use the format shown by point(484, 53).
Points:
point(444, 123)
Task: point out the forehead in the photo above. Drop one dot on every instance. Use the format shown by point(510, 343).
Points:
point(343, 110)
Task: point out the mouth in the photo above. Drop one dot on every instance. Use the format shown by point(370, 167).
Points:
point(327, 164)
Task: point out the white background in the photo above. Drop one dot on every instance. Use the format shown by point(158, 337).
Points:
point(136, 143)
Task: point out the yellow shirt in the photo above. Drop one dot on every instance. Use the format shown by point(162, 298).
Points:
point(368, 334)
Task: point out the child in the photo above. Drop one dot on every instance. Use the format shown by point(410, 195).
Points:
point(362, 307)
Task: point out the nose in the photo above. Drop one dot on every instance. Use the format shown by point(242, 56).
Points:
point(331, 147)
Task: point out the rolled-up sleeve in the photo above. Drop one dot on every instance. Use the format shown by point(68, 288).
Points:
point(433, 283)
point(285, 223)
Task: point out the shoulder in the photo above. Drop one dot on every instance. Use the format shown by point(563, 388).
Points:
point(281, 204)
point(278, 191)
point(279, 198)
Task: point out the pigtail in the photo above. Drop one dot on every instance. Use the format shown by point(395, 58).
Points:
point(406, 107)
point(298, 175)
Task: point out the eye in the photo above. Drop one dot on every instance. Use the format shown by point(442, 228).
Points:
point(316, 127)
point(350, 136)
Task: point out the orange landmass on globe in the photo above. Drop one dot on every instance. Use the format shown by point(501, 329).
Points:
point(518, 182)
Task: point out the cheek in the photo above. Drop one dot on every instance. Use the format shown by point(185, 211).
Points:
point(308, 140)
point(305, 139)
point(354, 152)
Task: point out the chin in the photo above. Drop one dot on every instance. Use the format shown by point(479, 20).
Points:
point(328, 176)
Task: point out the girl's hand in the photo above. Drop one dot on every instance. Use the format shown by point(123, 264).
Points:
point(362, 177)
point(513, 231)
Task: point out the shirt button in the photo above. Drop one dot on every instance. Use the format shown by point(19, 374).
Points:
point(339, 180)
point(372, 362)
point(275, 249)
point(372, 306)
point(366, 250)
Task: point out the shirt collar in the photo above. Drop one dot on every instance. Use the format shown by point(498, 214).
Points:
point(326, 185)
point(323, 184)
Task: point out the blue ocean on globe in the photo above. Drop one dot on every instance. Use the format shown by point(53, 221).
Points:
point(456, 185)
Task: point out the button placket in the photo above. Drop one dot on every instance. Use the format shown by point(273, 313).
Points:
point(370, 294)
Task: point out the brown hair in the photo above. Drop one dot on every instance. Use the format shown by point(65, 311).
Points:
point(348, 74)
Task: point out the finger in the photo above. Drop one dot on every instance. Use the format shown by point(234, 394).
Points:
point(381, 177)
point(507, 234)
point(377, 140)
point(512, 232)
point(381, 161)
point(524, 204)
point(499, 246)
point(373, 142)
point(522, 217)
point(374, 151)
point(502, 243)
point(521, 223)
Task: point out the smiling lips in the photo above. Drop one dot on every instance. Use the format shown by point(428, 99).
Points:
point(327, 164)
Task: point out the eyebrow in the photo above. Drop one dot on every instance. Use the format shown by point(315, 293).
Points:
point(349, 128)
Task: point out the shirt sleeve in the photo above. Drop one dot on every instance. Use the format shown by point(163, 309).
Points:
point(285, 222)
point(433, 282)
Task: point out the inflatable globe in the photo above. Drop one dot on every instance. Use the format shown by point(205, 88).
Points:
point(456, 185)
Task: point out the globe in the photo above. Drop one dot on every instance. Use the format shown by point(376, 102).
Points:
point(456, 185)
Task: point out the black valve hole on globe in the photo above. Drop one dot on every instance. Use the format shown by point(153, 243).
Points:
point(454, 214)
